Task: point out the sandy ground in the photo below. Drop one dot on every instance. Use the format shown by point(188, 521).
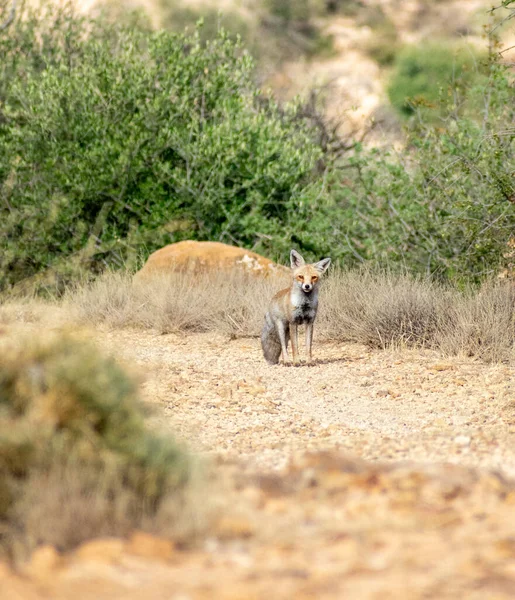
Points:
point(370, 474)
point(221, 396)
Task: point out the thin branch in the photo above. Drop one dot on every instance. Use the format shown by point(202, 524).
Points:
point(353, 250)
point(445, 168)
point(506, 49)
point(10, 18)
point(502, 21)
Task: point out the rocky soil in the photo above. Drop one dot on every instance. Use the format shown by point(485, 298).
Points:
point(367, 475)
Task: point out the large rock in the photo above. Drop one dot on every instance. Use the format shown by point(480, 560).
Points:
point(197, 257)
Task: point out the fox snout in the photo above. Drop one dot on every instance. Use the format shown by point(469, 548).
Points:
point(307, 287)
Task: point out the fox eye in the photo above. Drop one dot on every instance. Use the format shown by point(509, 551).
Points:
point(314, 279)
point(301, 277)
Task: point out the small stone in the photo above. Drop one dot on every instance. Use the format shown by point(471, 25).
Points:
point(43, 562)
point(442, 367)
point(101, 550)
point(234, 527)
point(150, 546)
point(462, 440)
point(256, 391)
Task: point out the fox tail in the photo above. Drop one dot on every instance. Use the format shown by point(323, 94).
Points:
point(270, 341)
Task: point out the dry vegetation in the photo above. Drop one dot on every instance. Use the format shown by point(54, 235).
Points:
point(298, 516)
point(231, 303)
point(76, 460)
point(373, 308)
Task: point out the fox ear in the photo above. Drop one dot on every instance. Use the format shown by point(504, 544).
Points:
point(296, 259)
point(322, 265)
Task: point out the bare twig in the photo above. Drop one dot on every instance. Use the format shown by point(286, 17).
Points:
point(10, 18)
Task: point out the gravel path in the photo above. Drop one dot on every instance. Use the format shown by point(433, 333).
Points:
point(221, 396)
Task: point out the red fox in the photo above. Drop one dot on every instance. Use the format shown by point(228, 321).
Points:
point(289, 308)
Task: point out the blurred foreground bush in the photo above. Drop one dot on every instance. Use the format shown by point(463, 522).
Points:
point(76, 460)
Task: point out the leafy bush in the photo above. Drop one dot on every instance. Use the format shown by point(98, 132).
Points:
point(300, 11)
point(423, 73)
point(69, 416)
point(272, 31)
point(178, 16)
point(112, 140)
point(444, 206)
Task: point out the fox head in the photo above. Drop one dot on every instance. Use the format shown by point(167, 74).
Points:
point(306, 277)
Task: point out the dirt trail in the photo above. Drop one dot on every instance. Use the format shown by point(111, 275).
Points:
point(303, 515)
point(379, 405)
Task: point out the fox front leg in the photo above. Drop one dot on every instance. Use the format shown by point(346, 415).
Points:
point(283, 338)
point(309, 340)
point(294, 335)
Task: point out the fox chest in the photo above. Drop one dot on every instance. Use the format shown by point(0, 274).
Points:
point(303, 314)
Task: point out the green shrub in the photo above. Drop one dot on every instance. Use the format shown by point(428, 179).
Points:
point(423, 73)
point(273, 32)
point(444, 206)
point(178, 17)
point(70, 416)
point(300, 11)
point(115, 140)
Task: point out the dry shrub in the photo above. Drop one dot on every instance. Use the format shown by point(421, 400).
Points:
point(384, 309)
point(381, 309)
point(483, 323)
point(76, 459)
point(29, 310)
point(232, 303)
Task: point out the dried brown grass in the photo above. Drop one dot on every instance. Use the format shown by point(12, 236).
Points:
point(233, 303)
point(66, 505)
point(30, 310)
point(379, 309)
point(482, 323)
point(382, 309)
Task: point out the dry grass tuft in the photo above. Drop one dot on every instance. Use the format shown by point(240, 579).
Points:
point(233, 303)
point(483, 324)
point(76, 459)
point(382, 309)
point(379, 309)
point(29, 310)
point(68, 504)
